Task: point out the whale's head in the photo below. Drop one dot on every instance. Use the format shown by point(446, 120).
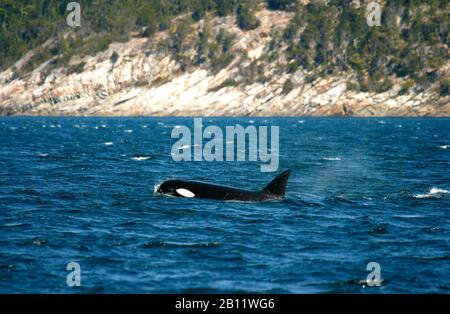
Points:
point(165, 188)
point(173, 188)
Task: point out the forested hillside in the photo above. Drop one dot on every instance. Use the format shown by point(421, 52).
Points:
point(331, 35)
point(323, 39)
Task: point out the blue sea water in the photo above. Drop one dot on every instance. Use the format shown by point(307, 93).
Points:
point(361, 190)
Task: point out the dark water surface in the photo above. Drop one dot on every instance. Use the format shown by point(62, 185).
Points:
point(361, 190)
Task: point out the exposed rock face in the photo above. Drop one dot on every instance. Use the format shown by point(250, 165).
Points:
point(145, 81)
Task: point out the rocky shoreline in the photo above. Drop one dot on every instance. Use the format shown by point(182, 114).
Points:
point(145, 81)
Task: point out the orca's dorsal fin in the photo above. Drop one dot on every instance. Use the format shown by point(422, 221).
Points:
point(278, 185)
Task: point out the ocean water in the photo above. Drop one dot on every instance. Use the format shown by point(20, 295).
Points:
point(361, 190)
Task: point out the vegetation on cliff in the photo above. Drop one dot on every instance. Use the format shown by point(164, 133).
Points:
point(327, 37)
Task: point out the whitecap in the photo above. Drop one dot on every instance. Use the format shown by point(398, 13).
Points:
point(382, 122)
point(141, 158)
point(434, 192)
point(128, 131)
point(43, 155)
point(332, 158)
point(409, 216)
point(109, 143)
point(445, 146)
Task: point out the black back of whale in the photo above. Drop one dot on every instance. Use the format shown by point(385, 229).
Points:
point(274, 190)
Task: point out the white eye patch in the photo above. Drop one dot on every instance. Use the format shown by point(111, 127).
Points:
point(185, 193)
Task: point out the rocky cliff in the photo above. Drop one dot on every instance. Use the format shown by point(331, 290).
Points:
point(143, 79)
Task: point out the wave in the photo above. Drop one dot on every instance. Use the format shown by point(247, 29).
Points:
point(434, 192)
point(156, 187)
point(158, 244)
point(332, 158)
point(141, 158)
point(409, 216)
point(188, 146)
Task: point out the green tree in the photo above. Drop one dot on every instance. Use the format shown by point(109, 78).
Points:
point(225, 7)
point(282, 4)
point(245, 18)
point(147, 19)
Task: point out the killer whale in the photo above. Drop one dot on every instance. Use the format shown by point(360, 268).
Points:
point(193, 189)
